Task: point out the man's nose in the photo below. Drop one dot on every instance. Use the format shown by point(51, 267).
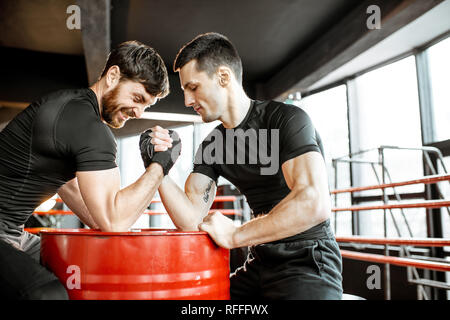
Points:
point(189, 100)
point(138, 111)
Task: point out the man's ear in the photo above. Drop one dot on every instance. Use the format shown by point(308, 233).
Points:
point(224, 74)
point(113, 76)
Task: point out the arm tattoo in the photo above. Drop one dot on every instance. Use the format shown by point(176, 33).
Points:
point(206, 194)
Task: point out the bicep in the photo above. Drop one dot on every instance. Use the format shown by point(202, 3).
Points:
point(306, 170)
point(201, 191)
point(98, 190)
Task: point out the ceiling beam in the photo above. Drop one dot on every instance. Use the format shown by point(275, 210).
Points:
point(346, 40)
point(96, 35)
point(14, 104)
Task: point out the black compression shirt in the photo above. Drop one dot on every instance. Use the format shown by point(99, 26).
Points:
point(285, 130)
point(45, 145)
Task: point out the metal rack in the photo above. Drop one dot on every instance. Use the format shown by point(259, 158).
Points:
point(385, 182)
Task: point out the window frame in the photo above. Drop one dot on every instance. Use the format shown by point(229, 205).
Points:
point(427, 125)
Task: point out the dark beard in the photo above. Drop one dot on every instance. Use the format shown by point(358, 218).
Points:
point(108, 106)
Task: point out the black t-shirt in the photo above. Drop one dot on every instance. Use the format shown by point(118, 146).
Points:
point(250, 156)
point(45, 145)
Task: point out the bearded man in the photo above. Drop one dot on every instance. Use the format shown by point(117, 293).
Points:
point(62, 144)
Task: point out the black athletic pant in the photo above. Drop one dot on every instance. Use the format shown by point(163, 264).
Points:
point(304, 267)
point(22, 277)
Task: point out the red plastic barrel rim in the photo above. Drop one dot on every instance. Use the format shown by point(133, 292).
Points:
point(136, 232)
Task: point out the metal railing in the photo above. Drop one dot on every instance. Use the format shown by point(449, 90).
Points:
point(385, 182)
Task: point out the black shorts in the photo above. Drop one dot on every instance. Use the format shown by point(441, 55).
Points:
point(306, 266)
point(22, 277)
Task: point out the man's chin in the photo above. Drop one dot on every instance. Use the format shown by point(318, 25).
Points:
point(208, 119)
point(115, 125)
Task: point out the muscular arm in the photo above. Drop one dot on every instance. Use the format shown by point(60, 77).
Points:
point(70, 194)
point(188, 208)
point(307, 204)
point(113, 209)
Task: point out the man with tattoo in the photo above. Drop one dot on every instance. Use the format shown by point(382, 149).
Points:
point(293, 253)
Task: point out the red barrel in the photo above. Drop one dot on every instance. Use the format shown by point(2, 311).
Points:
point(146, 264)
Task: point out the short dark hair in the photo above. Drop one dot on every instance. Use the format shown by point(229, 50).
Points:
point(141, 63)
point(211, 50)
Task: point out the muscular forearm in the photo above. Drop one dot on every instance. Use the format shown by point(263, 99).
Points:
point(188, 208)
point(300, 210)
point(130, 202)
point(183, 212)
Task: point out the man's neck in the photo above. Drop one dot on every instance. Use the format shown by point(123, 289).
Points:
point(238, 107)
